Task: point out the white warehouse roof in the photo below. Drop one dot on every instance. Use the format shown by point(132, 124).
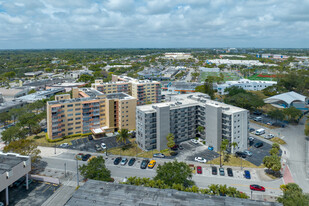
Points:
point(287, 97)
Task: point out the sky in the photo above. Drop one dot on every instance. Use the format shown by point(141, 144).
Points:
point(37, 24)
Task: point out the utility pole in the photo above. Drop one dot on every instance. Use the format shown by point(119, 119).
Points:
point(55, 148)
point(65, 169)
point(77, 176)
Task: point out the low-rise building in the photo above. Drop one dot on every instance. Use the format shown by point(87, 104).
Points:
point(13, 93)
point(14, 104)
point(12, 168)
point(177, 55)
point(33, 74)
point(238, 62)
point(181, 87)
point(145, 91)
point(183, 115)
point(88, 110)
point(40, 95)
point(246, 84)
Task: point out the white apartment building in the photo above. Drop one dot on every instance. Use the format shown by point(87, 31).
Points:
point(246, 84)
point(183, 115)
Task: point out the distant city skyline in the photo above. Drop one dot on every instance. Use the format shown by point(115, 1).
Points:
point(56, 24)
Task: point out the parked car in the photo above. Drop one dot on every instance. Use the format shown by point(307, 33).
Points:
point(1, 204)
point(103, 145)
point(29, 182)
point(257, 188)
point(117, 160)
point(247, 174)
point(269, 123)
point(221, 171)
point(258, 144)
point(132, 161)
point(92, 157)
point(144, 164)
point(257, 113)
point(173, 153)
point(64, 145)
point(86, 157)
point(79, 156)
point(175, 147)
point(229, 172)
point(199, 170)
point(19, 181)
point(251, 139)
point(248, 153)
point(124, 161)
point(194, 141)
point(210, 148)
point(214, 170)
point(240, 154)
point(98, 148)
point(180, 147)
point(151, 164)
point(251, 129)
point(260, 131)
point(159, 155)
point(269, 136)
point(200, 159)
point(258, 119)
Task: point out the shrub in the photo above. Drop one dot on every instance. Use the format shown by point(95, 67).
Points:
point(204, 142)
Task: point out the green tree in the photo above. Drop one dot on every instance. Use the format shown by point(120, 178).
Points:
point(86, 78)
point(293, 195)
point(13, 133)
point(29, 121)
point(276, 114)
point(273, 162)
point(292, 113)
point(170, 140)
point(223, 147)
point(123, 136)
point(15, 113)
point(175, 173)
point(245, 100)
point(24, 147)
point(200, 129)
point(32, 91)
point(4, 118)
point(96, 170)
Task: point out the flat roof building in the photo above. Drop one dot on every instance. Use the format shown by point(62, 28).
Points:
point(12, 167)
point(97, 193)
point(145, 91)
point(183, 115)
point(88, 110)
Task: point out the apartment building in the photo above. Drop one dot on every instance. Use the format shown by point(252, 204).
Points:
point(145, 91)
point(182, 116)
point(88, 110)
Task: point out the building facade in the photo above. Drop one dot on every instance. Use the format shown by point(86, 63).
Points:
point(246, 84)
point(183, 115)
point(145, 91)
point(89, 109)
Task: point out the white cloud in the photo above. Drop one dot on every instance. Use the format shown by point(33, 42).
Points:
point(153, 23)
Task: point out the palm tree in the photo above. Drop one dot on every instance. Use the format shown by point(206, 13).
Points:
point(234, 144)
point(123, 136)
point(223, 147)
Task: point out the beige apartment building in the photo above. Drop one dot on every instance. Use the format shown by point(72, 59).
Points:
point(145, 91)
point(89, 111)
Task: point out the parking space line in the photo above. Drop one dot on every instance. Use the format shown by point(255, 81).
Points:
point(46, 188)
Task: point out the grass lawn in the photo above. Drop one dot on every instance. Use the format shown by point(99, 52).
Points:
point(233, 161)
point(43, 142)
point(228, 76)
point(256, 77)
point(278, 140)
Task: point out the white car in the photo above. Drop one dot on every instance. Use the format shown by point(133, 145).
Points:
point(248, 153)
point(194, 141)
point(269, 136)
point(103, 145)
point(251, 139)
point(200, 159)
point(64, 145)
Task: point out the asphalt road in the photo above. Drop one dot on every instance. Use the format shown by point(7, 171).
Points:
point(203, 181)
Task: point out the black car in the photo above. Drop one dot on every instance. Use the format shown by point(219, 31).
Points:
point(257, 113)
point(86, 157)
point(144, 164)
point(117, 160)
point(258, 144)
point(240, 154)
point(132, 161)
point(175, 147)
point(251, 129)
point(229, 172)
point(214, 170)
point(173, 153)
point(19, 181)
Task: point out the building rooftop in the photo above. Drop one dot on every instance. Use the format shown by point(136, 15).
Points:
point(105, 193)
point(91, 92)
point(119, 96)
point(10, 160)
point(185, 100)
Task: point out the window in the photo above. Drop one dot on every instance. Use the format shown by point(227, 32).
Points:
point(78, 113)
point(70, 119)
point(77, 118)
point(77, 109)
point(70, 115)
point(70, 129)
point(77, 127)
point(77, 104)
point(70, 105)
point(70, 110)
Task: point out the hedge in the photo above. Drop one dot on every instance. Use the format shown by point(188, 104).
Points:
point(65, 137)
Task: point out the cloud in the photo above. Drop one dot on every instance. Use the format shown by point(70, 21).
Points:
point(153, 23)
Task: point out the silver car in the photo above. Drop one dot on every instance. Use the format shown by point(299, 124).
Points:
point(248, 153)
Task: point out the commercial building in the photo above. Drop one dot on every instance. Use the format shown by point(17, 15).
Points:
point(14, 104)
point(289, 99)
point(145, 91)
point(88, 110)
point(13, 167)
point(40, 95)
point(238, 62)
point(177, 55)
point(181, 87)
point(246, 84)
point(10, 94)
point(97, 193)
point(33, 74)
point(183, 115)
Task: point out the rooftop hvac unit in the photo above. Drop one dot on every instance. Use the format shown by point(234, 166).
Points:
point(9, 174)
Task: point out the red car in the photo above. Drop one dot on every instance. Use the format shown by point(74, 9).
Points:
point(199, 169)
point(257, 188)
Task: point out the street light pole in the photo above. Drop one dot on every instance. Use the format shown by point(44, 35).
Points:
point(55, 148)
point(65, 169)
point(77, 176)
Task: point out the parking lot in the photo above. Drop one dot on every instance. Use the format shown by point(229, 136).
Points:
point(85, 144)
point(36, 195)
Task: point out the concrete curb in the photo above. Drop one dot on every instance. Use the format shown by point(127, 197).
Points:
point(307, 157)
